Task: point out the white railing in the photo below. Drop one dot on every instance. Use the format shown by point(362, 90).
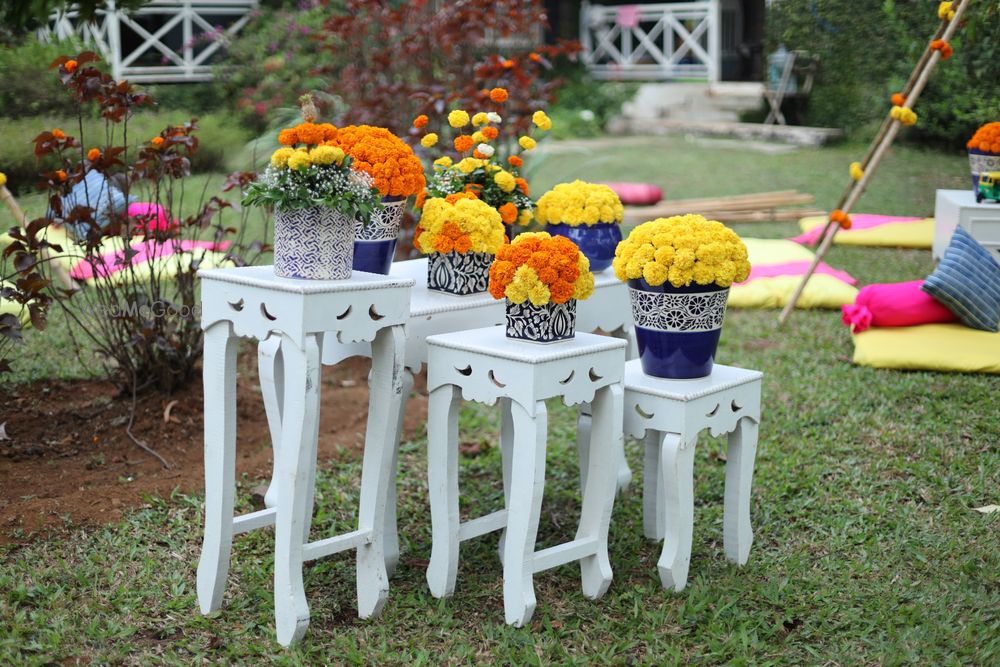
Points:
point(656, 41)
point(179, 36)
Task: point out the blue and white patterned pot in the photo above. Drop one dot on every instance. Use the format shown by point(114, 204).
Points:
point(315, 243)
point(375, 243)
point(979, 162)
point(548, 323)
point(458, 273)
point(677, 328)
point(597, 242)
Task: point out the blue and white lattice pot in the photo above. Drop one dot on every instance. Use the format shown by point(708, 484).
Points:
point(677, 328)
point(459, 273)
point(548, 323)
point(375, 243)
point(316, 243)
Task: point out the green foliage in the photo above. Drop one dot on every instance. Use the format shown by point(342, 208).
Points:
point(29, 86)
point(858, 74)
point(583, 104)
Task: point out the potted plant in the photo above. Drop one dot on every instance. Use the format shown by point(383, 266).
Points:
point(397, 173)
point(679, 270)
point(984, 152)
point(589, 214)
point(477, 166)
point(461, 234)
point(542, 277)
point(316, 195)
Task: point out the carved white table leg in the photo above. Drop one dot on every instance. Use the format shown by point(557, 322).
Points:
point(271, 372)
point(391, 532)
point(527, 488)
point(599, 493)
point(442, 484)
point(507, 461)
point(737, 534)
point(302, 373)
point(677, 462)
point(220, 464)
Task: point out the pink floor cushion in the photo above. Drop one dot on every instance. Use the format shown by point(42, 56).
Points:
point(894, 305)
point(637, 194)
point(151, 217)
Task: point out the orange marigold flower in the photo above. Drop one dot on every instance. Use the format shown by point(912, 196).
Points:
point(377, 151)
point(421, 198)
point(534, 57)
point(515, 161)
point(93, 154)
point(329, 131)
point(463, 142)
point(522, 185)
point(490, 132)
point(451, 230)
point(898, 100)
point(70, 66)
point(443, 244)
point(308, 133)
point(508, 213)
point(58, 134)
point(841, 218)
point(455, 196)
point(288, 137)
point(156, 141)
point(498, 95)
point(507, 64)
point(60, 175)
point(417, 231)
point(561, 291)
point(479, 156)
point(474, 188)
point(420, 121)
point(463, 244)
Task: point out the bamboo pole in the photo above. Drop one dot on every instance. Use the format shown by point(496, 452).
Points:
point(58, 270)
point(852, 194)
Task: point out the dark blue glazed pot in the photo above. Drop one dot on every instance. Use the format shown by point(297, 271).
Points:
point(677, 328)
point(375, 243)
point(597, 242)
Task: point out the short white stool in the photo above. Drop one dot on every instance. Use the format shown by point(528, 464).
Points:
point(252, 301)
point(670, 414)
point(484, 365)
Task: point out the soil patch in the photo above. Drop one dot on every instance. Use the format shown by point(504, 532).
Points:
point(68, 456)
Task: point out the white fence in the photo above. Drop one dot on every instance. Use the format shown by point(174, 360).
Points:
point(656, 41)
point(162, 41)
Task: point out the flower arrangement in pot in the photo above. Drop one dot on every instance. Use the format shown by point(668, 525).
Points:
point(317, 195)
point(679, 270)
point(589, 214)
point(397, 173)
point(984, 154)
point(476, 164)
point(542, 277)
point(460, 234)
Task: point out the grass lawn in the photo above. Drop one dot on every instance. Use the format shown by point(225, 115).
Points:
point(867, 547)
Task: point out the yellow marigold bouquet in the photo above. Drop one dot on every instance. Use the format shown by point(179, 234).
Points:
point(682, 249)
point(541, 268)
point(579, 203)
point(476, 166)
point(461, 223)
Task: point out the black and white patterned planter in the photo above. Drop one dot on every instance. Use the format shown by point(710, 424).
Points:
point(459, 273)
point(314, 243)
point(548, 323)
point(375, 243)
point(677, 329)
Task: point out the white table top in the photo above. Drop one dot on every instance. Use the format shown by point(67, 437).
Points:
point(722, 378)
point(493, 342)
point(264, 277)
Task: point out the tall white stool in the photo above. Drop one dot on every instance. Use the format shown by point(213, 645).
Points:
point(252, 301)
point(484, 365)
point(670, 414)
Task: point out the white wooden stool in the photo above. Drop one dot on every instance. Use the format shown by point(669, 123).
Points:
point(252, 301)
point(484, 365)
point(670, 414)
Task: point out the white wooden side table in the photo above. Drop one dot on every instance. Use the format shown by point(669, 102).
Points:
point(958, 208)
point(253, 302)
point(670, 414)
point(434, 313)
point(484, 365)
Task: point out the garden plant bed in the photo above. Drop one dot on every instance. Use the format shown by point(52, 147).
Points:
point(68, 457)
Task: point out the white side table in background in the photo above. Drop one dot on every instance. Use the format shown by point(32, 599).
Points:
point(954, 208)
point(670, 414)
point(484, 365)
point(253, 302)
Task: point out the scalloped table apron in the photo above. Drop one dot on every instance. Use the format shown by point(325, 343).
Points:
point(298, 315)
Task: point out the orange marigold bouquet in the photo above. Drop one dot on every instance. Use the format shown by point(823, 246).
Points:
point(984, 153)
point(461, 223)
point(475, 165)
point(986, 139)
point(378, 152)
point(541, 268)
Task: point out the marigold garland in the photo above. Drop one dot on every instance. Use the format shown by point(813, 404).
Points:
point(461, 223)
point(841, 218)
point(857, 173)
point(387, 158)
point(682, 249)
point(579, 203)
point(944, 47)
point(986, 139)
point(541, 268)
point(904, 115)
point(898, 99)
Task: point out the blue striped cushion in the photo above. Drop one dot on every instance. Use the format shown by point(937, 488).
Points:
point(967, 281)
point(100, 194)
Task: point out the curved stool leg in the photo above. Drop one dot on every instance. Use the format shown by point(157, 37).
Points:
point(391, 532)
point(271, 372)
point(442, 485)
point(677, 460)
point(507, 458)
point(737, 535)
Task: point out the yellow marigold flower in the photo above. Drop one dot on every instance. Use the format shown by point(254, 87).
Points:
point(3, 178)
point(505, 180)
point(579, 203)
point(473, 217)
point(542, 120)
point(469, 165)
point(524, 217)
point(493, 167)
point(326, 155)
point(430, 139)
point(299, 160)
point(478, 137)
point(458, 118)
point(279, 158)
point(480, 119)
point(443, 162)
point(527, 143)
point(857, 173)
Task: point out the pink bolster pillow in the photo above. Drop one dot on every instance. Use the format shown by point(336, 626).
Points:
point(637, 194)
point(152, 217)
point(894, 305)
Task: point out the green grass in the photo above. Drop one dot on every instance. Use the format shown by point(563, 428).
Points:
point(867, 548)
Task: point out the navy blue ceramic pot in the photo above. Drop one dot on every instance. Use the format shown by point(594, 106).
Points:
point(597, 242)
point(375, 243)
point(677, 328)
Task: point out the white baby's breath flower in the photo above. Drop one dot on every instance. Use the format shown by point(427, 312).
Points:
point(486, 149)
point(494, 117)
